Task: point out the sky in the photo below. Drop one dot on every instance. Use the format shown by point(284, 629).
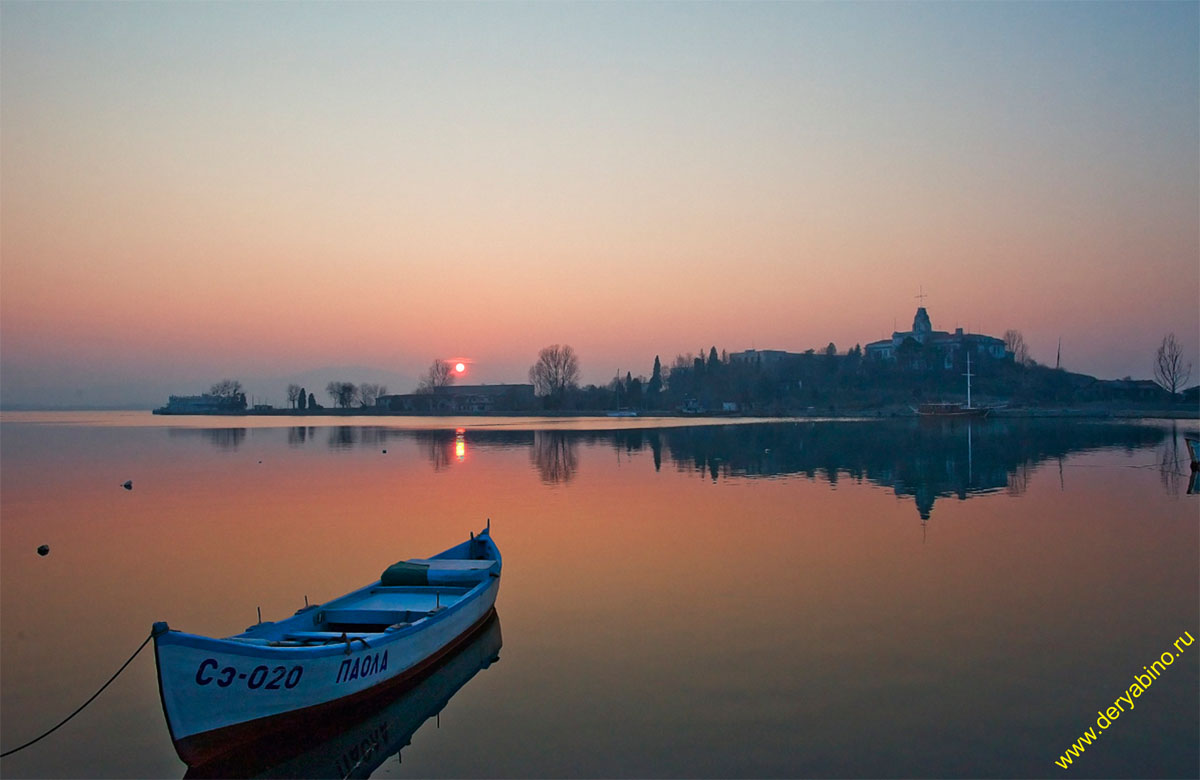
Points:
point(192, 191)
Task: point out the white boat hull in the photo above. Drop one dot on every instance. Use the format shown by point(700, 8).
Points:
point(219, 693)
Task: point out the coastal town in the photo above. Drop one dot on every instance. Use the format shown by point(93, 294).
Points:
point(895, 376)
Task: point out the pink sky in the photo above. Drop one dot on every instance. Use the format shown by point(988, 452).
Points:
point(190, 192)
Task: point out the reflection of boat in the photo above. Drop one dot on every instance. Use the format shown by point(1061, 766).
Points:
point(355, 746)
point(220, 693)
point(954, 409)
point(1193, 448)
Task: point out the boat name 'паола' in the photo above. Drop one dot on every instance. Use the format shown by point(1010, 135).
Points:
point(363, 666)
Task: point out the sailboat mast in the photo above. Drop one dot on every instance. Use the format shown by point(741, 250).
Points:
point(968, 375)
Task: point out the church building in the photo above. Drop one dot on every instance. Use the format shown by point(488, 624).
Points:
point(948, 346)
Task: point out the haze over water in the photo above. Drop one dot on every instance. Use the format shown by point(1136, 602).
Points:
point(773, 599)
point(193, 191)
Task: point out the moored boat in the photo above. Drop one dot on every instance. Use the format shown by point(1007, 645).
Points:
point(218, 694)
point(358, 743)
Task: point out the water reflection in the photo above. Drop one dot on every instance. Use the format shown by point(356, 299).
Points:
point(1174, 463)
point(356, 747)
point(299, 435)
point(555, 455)
point(345, 437)
point(919, 460)
point(922, 461)
point(221, 438)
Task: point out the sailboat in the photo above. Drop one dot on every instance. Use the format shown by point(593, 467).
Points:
point(954, 409)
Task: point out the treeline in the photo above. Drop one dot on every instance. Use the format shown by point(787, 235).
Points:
point(823, 381)
point(343, 395)
point(713, 382)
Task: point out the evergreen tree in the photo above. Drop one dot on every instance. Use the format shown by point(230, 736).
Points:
point(654, 387)
point(312, 402)
point(634, 391)
point(302, 399)
point(713, 360)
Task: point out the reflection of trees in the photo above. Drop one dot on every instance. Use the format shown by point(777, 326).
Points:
point(922, 461)
point(1173, 462)
point(343, 437)
point(349, 436)
point(918, 459)
point(555, 456)
point(438, 447)
point(221, 438)
point(299, 435)
point(1018, 479)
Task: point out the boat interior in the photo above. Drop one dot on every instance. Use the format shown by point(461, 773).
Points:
point(409, 592)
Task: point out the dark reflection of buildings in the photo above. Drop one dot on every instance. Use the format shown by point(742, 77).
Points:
point(356, 743)
point(221, 438)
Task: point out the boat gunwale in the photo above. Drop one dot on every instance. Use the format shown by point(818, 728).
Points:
point(233, 646)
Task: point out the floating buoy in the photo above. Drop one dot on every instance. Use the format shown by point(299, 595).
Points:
point(128, 484)
point(44, 549)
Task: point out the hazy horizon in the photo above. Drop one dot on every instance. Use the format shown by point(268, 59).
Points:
point(259, 191)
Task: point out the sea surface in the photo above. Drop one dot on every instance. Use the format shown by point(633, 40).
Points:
point(761, 599)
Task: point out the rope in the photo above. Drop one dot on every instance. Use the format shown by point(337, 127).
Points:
point(86, 703)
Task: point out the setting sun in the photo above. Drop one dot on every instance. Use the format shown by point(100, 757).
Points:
point(459, 368)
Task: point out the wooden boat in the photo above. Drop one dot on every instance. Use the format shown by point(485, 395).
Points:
point(218, 694)
point(950, 410)
point(358, 744)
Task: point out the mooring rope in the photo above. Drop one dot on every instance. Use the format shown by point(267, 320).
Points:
point(86, 703)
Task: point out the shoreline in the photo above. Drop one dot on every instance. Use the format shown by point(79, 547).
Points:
point(1123, 413)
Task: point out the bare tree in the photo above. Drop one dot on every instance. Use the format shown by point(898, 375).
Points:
point(368, 393)
point(342, 393)
point(556, 369)
point(437, 375)
point(1014, 342)
point(227, 388)
point(293, 392)
point(1169, 370)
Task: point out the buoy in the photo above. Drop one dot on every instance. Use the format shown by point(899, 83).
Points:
point(128, 484)
point(44, 549)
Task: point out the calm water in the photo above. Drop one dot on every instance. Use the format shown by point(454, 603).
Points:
point(787, 599)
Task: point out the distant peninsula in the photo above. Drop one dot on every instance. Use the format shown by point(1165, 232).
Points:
point(890, 377)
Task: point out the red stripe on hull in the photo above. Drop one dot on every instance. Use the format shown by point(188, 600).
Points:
point(209, 745)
